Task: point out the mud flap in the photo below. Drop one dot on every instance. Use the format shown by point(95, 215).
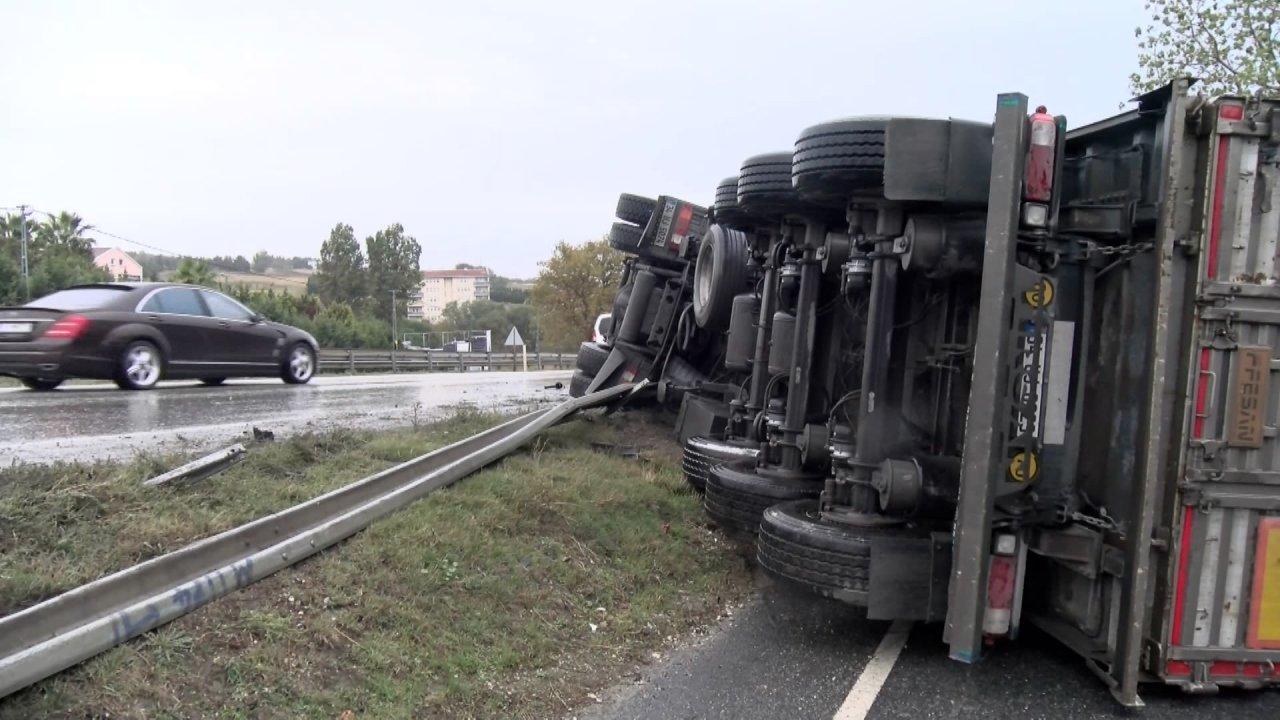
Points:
point(908, 578)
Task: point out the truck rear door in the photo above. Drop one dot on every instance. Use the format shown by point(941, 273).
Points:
point(1223, 621)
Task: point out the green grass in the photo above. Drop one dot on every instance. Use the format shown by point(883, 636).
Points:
point(513, 594)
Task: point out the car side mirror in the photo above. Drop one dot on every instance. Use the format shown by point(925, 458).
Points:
point(256, 318)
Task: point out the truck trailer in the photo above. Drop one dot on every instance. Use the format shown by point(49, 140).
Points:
point(991, 374)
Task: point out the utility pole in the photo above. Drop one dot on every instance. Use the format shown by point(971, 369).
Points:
point(395, 339)
point(26, 270)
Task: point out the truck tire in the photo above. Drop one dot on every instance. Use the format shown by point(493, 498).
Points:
point(579, 383)
point(837, 160)
point(737, 495)
point(701, 454)
point(726, 210)
point(591, 357)
point(719, 274)
point(764, 185)
point(830, 558)
point(635, 208)
point(625, 237)
point(796, 545)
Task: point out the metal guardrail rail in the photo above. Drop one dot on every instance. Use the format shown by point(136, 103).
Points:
point(78, 624)
point(352, 361)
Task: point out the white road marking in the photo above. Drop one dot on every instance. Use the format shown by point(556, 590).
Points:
point(863, 693)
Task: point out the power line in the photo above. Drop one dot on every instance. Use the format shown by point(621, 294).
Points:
point(135, 242)
point(99, 231)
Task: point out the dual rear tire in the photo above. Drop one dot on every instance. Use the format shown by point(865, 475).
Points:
point(737, 495)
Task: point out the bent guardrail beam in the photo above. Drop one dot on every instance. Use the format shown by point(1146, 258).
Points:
point(78, 624)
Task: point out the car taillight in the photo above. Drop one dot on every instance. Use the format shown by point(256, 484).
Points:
point(68, 328)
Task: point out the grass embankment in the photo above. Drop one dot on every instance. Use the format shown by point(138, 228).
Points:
point(513, 594)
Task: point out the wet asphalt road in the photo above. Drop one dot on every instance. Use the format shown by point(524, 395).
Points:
point(84, 422)
point(789, 654)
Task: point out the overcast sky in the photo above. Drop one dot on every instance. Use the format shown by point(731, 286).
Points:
point(491, 130)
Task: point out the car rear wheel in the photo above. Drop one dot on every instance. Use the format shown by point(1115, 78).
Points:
point(40, 384)
point(299, 365)
point(141, 366)
point(213, 381)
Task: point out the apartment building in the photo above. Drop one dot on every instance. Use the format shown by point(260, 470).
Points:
point(441, 287)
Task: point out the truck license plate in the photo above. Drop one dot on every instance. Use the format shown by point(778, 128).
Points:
point(9, 328)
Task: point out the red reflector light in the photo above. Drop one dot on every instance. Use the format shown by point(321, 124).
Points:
point(1231, 112)
point(68, 328)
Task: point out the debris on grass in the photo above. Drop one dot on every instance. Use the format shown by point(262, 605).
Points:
point(200, 468)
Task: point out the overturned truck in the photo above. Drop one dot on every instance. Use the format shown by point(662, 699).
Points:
point(990, 374)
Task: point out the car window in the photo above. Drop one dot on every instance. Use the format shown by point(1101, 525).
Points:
point(221, 306)
point(87, 298)
point(176, 301)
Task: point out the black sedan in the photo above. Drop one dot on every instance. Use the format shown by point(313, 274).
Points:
point(138, 333)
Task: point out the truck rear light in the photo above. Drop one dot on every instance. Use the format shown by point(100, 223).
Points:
point(1001, 583)
point(1037, 184)
point(67, 328)
point(1035, 214)
point(1006, 544)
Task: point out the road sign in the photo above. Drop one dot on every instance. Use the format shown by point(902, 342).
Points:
point(513, 338)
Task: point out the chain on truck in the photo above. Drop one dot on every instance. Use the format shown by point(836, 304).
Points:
point(990, 374)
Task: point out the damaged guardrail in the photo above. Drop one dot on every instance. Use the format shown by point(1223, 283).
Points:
point(199, 468)
point(76, 625)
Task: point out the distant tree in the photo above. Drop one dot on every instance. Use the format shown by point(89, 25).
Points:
point(393, 265)
point(194, 272)
point(1232, 46)
point(11, 287)
point(60, 268)
point(497, 318)
point(261, 261)
point(11, 235)
point(341, 275)
point(153, 264)
point(241, 264)
point(58, 255)
point(503, 290)
point(577, 283)
point(65, 232)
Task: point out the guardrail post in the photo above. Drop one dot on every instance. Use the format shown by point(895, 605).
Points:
point(488, 360)
point(431, 365)
point(393, 361)
point(351, 361)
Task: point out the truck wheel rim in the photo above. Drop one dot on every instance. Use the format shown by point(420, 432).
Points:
point(141, 367)
point(300, 364)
